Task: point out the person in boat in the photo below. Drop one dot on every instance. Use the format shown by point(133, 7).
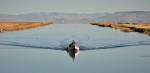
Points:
point(72, 44)
point(73, 50)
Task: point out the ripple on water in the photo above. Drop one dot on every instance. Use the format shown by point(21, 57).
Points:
point(58, 36)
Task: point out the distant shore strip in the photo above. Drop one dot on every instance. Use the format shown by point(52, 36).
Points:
point(127, 27)
point(15, 26)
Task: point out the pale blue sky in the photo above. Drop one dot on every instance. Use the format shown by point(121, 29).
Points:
point(80, 6)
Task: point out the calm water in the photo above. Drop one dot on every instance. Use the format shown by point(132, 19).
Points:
point(103, 50)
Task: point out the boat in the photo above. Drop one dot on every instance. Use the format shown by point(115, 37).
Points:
point(73, 50)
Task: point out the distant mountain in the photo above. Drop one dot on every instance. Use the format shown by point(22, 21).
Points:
point(130, 16)
point(55, 17)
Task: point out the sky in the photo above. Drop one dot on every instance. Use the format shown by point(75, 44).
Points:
point(72, 6)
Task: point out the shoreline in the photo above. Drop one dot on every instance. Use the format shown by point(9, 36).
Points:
point(16, 26)
point(126, 27)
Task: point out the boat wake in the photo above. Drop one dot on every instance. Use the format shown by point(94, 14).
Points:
point(63, 46)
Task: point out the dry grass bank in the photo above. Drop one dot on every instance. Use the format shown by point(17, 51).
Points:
point(14, 26)
point(127, 27)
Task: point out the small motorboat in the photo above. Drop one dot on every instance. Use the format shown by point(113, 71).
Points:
point(73, 50)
